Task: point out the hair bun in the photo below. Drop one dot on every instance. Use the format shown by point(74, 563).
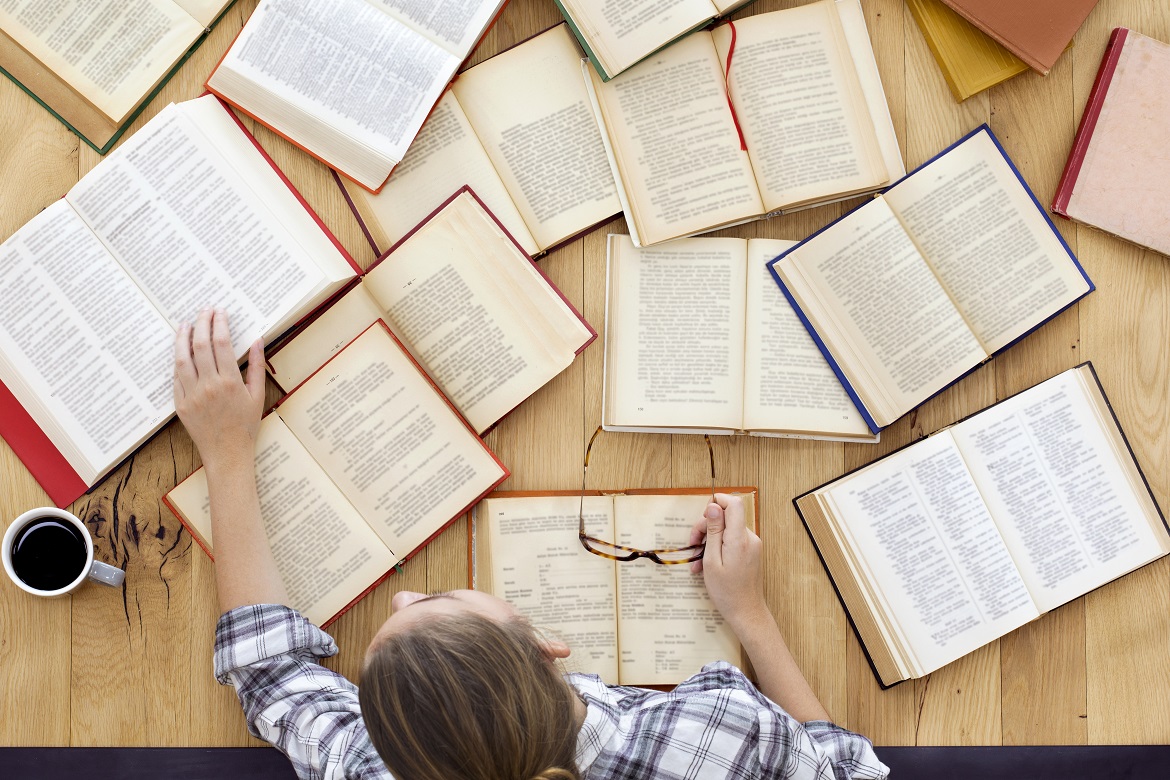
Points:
point(555, 773)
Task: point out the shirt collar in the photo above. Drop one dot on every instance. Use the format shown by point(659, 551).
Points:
point(600, 724)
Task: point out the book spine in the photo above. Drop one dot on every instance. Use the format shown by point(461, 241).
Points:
point(1092, 113)
point(37, 452)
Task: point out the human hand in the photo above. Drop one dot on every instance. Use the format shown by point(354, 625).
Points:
point(220, 410)
point(731, 563)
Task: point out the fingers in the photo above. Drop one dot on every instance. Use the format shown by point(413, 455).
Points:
point(221, 342)
point(733, 514)
point(184, 366)
point(698, 533)
point(255, 379)
point(201, 344)
point(713, 555)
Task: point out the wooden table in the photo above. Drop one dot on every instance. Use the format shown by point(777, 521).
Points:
point(134, 667)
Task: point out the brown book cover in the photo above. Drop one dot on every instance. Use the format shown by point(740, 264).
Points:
point(1036, 31)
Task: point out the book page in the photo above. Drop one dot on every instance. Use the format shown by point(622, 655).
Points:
point(930, 552)
point(539, 567)
point(112, 53)
point(324, 551)
point(445, 156)
point(675, 143)
point(621, 32)
point(357, 106)
point(484, 324)
point(531, 111)
point(81, 347)
point(203, 11)
point(389, 440)
point(453, 24)
point(674, 333)
point(1059, 490)
point(667, 625)
point(886, 320)
point(788, 384)
point(296, 358)
point(192, 233)
point(989, 243)
point(800, 104)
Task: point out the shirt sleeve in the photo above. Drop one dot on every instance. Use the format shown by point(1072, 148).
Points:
point(271, 655)
point(791, 750)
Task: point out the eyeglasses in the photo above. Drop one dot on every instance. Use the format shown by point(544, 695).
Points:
point(618, 552)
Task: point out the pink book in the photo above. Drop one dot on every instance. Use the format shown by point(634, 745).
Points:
point(1117, 178)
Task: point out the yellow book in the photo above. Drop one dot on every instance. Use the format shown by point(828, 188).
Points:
point(970, 60)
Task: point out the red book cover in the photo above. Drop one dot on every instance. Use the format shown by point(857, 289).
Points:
point(1068, 179)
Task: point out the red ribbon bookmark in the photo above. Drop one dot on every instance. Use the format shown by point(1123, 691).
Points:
point(727, 87)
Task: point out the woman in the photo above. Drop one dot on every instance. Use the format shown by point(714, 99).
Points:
point(457, 684)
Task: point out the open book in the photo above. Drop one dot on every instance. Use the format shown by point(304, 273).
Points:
point(619, 33)
point(357, 469)
point(483, 321)
point(814, 121)
point(188, 213)
point(1117, 177)
point(698, 338)
point(631, 623)
point(957, 539)
point(518, 129)
point(910, 291)
point(95, 64)
point(349, 81)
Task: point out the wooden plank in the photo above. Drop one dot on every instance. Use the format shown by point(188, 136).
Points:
point(39, 159)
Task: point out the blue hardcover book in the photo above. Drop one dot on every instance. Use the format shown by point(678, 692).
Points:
point(915, 288)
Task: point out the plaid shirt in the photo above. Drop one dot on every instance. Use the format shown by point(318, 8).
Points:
point(713, 725)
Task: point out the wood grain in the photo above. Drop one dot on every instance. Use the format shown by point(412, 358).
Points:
point(133, 666)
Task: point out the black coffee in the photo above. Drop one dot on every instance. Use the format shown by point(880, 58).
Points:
point(48, 553)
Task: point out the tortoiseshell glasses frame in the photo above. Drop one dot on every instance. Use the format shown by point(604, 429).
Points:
point(619, 552)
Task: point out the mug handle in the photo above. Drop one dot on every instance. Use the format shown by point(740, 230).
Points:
point(107, 574)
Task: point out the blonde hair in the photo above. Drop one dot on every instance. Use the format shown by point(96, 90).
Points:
point(468, 696)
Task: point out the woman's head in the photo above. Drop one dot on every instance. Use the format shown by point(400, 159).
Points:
point(458, 685)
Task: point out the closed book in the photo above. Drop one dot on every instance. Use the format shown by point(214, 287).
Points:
point(1036, 31)
point(1117, 177)
point(970, 61)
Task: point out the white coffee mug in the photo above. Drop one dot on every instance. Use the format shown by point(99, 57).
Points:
point(92, 570)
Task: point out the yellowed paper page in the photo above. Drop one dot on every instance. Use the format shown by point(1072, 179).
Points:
point(324, 337)
point(674, 338)
point(925, 540)
point(621, 32)
point(800, 104)
point(667, 624)
point(389, 441)
point(324, 551)
point(788, 384)
point(113, 53)
point(675, 144)
point(884, 316)
point(988, 243)
point(203, 11)
point(475, 313)
point(445, 156)
point(530, 110)
point(541, 569)
point(1062, 496)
